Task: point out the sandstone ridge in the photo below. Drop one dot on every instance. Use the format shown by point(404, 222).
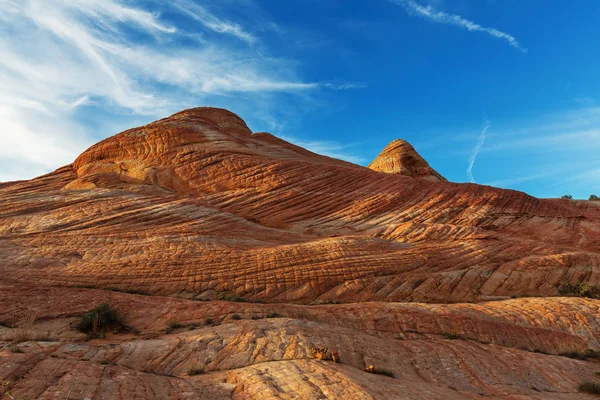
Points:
point(399, 157)
point(212, 209)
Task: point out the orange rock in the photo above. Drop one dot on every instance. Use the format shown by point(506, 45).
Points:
point(399, 157)
point(196, 207)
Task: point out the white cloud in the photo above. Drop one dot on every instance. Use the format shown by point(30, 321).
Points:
point(61, 60)
point(559, 152)
point(476, 150)
point(215, 24)
point(433, 15)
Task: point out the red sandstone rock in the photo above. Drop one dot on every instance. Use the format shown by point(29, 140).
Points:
point(399, 157)
point(196, 206)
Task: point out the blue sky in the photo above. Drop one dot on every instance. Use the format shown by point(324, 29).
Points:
point(500, 92)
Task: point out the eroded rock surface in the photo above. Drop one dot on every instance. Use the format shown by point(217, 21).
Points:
point(399, 157)
point(499, 350)
point(197, 207)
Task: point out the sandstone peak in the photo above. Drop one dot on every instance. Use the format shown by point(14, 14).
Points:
point(400, 157)
point(220, 117)
point(176, 153)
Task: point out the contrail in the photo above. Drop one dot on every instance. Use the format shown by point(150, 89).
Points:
point(476, 150)
point(440, 17)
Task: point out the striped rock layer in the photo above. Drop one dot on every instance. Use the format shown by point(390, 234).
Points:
point(452, 288)
point(196, 205)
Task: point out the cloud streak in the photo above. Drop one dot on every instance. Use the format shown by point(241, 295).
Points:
point(440, 17)
point(121, 63)
point(215, 24)
point(326, 148)
point(476, 150)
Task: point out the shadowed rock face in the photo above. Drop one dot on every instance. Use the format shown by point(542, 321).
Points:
point(399, 157)
point(196, 206)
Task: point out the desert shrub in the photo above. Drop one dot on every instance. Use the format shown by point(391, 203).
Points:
point(236, 317)
point(96, 321)
point(173, 325)
point(593, 197)
point(372, 370)
point(195, 371)
point(320, 353)
point(15, 349)
point(7, 324)
point(208, 321)
point(579, 290)
point(451, 336)
point(272, 315)
point(44, 337)
point(235, 298)
point(589, 387)
point(24, 330)
point(586, 355)
point(567, 196)
point(323, 353)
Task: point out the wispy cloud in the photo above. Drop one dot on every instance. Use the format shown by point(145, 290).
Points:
point(557, 152)
point(585, 101)
point(509, 182)
point(63, 62)
point(345, 86)
point(209, 20)
point(476, 150)
point(326, 148)
point(434, 15)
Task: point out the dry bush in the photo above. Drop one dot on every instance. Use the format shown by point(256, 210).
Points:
point(195, 371)
point(372, 370)
point(323, 353)
point(24, 330)
point(96, 321)
point(590, 387)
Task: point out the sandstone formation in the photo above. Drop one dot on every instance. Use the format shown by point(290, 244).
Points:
point(197, 207)
point(399, 157)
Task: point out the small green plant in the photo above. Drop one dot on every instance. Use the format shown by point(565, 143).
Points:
point(451, 336)
point(272, 315)
point(236, 317)
point(208, 321)
point(579, 290)
point(16, 349)
point(256, 317)
point(567, 196)
point(7, 393)
point(593, 197)
point(173, 325)
point(586, 355)
point(106, 362)
point(597, 373)
point(589, 387)
point(195, 371)
point(96, 321)
point(235, 298)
